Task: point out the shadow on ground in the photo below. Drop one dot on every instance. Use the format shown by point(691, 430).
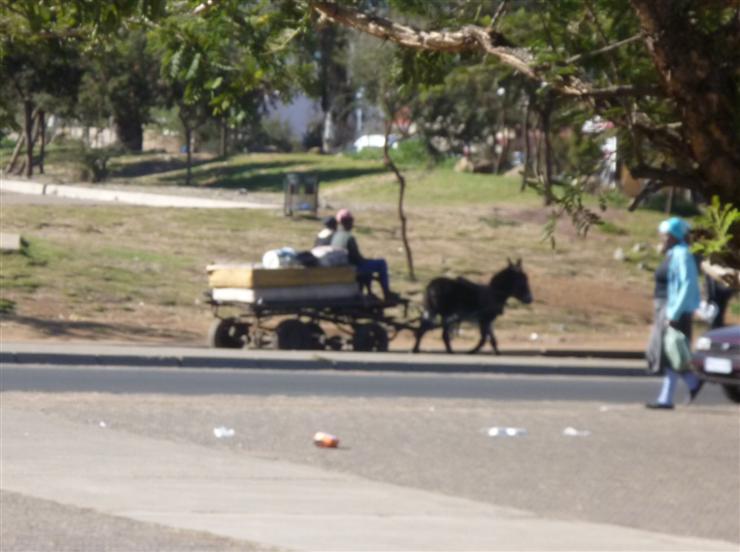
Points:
point(89, 329)
point(265, 177)
point(153, 166)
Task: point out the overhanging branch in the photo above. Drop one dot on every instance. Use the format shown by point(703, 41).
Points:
point(669, 177)
point(659, 178)
point(467, 38)
point(605, 49)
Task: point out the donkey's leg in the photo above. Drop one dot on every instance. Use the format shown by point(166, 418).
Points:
point(425, 325)
point(483, 327)
point(446, 329)
point(493, 338)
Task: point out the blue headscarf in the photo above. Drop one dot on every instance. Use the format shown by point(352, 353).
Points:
point(676, 227)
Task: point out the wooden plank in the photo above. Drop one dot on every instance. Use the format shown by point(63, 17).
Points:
point(296, 293)
point(246, 276)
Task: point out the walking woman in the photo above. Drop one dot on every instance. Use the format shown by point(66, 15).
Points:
point(678, 276)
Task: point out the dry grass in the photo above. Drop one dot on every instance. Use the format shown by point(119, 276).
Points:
point(134, 273)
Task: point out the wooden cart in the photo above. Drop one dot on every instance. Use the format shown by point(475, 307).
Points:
point(268, 310)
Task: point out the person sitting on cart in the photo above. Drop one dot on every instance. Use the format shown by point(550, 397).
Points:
point(327, 232)
point(366, 268)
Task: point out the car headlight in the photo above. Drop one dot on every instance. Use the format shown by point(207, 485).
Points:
point(703, 344)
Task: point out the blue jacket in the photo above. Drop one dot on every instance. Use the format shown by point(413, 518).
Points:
point(683, 282)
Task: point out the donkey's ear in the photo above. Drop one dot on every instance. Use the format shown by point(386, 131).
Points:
point(519, 262)
point(508, 260)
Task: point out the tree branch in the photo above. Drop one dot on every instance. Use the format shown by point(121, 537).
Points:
point(618, 90)
point(496, 16)
point(605, 49)
point(648, 189)
point(467, 38)
point(668, 177)
point(664, 136)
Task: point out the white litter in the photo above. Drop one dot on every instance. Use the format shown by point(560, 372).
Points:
point(506, 431)
point(222, 432)
point(573, 432)
point(102, 424)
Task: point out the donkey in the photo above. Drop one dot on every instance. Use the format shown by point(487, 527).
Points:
point(461, 299)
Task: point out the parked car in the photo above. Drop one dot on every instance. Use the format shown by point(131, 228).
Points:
point(717, 359)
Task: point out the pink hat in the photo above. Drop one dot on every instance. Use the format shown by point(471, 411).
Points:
point(344, 214)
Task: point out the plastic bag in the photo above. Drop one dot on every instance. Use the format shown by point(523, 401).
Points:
point(280, 258)
point(329, 256)
point(677, 350)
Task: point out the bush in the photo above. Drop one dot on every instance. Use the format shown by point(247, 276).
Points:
point(279, 134)
point(411, 152)
point(94, 163)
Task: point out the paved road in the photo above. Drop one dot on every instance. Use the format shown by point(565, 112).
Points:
point(410, 474)
point(171, 381)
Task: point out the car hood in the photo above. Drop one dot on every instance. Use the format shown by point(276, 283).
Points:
point(728, 334)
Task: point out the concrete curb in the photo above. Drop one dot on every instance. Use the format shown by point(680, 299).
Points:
point(129, 198)
point(306, 360)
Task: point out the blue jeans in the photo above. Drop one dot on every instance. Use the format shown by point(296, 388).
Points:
point(368, 267)
point(669, 384)
point(668, 389)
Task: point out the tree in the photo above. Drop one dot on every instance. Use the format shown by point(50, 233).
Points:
point(122, 82)
point(225, 63)
point(42, 41)
point(381, 82)
point(664, 72)
point(36, 73)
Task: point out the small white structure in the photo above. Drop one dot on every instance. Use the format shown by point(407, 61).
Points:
point(374, 141)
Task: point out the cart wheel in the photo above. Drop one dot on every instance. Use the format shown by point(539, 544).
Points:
point(226, 333)
point(370, 337)
point(299, 336)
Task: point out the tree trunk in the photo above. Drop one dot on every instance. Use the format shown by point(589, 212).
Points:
point(525, 171)
point(188, 152)
point(401, 194)
point(28, 128)
point(42, 136)
point(670, 198)
point(16, 152)
point(501, 156)
point(705, 91)
point(546, 116)
point(224, 139)
point(130, 134)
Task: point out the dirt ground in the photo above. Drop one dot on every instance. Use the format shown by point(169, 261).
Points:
point(583, 299)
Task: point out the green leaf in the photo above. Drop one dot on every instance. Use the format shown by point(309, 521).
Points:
point(215, 83)
point(194, 65)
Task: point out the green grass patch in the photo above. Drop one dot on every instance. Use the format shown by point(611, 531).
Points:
point(497, 222)
point(7, 306)
point(443, 187)
point(250, 172)
point(21, 272)
point(408, 153)
point(610, 228)
point(42, 253)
